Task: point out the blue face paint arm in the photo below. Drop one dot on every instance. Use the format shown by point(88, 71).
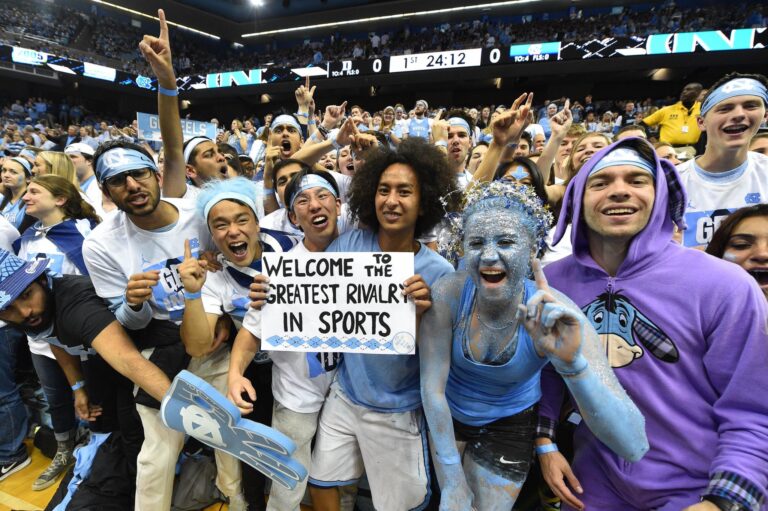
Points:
point(435, 334)
point(194, 407)
point(604, 405)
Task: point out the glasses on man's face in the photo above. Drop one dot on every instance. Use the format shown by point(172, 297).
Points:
point(119, 180)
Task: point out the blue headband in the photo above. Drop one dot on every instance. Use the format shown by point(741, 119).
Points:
point(286, 119)
point(27, 153)
point(225, 195)
point(458, 121)
point(24, 163)
point(311, 181)
point(192, 144)
point(121, 159)
point(733, 88)
point(624, 156)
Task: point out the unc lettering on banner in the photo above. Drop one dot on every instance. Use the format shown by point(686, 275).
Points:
point(195, 408)
point(339, 302)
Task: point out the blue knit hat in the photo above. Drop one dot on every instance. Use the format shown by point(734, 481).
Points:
point(16, 275)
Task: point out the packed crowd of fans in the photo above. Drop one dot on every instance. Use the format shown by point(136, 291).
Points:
point(113, 37)
point(554, 244)
point(56, 23)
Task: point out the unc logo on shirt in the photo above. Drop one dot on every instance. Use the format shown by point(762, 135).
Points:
point(752, 198)
point(168, 294)
point(624, 330)
point(56, 262)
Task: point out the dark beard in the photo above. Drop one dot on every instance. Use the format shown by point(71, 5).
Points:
point(47, 315)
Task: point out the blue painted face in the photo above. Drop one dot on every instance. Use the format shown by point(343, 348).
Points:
point(497, 251)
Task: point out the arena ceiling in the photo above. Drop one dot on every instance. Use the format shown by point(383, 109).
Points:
point(245, 10)
point(230, 19)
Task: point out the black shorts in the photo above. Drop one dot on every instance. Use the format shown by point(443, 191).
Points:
point(504, 446)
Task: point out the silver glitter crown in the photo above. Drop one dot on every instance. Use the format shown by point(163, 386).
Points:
point(522, 198)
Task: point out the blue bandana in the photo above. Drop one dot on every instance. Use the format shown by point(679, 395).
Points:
point(24, 163)
point(120, 160)
point(458, 121)
point(286, 119)
point(733, 88)
point(311, 181)
point(624, 156)
point(241, 197)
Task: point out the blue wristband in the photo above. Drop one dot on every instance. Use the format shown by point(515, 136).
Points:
point(302, 114)
point(269, 191)
point(441, 143)
point(192, 296)
point(546, 448)
point(167, 92)
point(449, 460)
point(79, 384)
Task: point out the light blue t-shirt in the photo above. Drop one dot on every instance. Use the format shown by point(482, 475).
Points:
point(419, 128)
point(385, 383)
point(14, 212)
point(479, 393)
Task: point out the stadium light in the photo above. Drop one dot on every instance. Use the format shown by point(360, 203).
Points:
point(137, 13)
point(486, 6)
point(256, 3)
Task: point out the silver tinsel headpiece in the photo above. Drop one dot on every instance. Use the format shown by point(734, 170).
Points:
point(493, 195)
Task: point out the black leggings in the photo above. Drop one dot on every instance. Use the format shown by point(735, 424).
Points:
point(254, 481)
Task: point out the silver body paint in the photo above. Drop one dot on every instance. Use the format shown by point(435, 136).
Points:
point(503, 239)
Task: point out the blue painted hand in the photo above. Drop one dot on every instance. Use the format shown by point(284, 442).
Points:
point(194, 407)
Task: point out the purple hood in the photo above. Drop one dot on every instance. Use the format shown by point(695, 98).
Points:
point(668, 210)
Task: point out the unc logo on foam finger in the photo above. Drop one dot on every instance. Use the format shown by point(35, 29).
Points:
point(194, 407)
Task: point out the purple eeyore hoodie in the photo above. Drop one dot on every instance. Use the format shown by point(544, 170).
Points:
point(686, 335)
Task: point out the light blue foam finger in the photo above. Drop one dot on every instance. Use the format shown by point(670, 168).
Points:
point(195, 408)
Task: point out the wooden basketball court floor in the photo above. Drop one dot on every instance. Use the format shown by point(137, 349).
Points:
point(16, 490)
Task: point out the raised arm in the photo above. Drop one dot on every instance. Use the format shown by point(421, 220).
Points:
point(560, 123)
point(157, 52)
point(197, 327)
point(506, 130)
point(561, 332)
point(435, 335)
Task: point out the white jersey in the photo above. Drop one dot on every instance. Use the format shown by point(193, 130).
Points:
point(117, 249)
point(278, 221)
point(713, 196)
point(40, 247)
point(300, 381)
point(222, 294)
point(8, 234)
point(192, 192)
point(559, 251)
point(226, 291)
point(94, 197)
point(463, 179)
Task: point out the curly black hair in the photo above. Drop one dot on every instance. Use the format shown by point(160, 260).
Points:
point(732, 76)
point(436, 180)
